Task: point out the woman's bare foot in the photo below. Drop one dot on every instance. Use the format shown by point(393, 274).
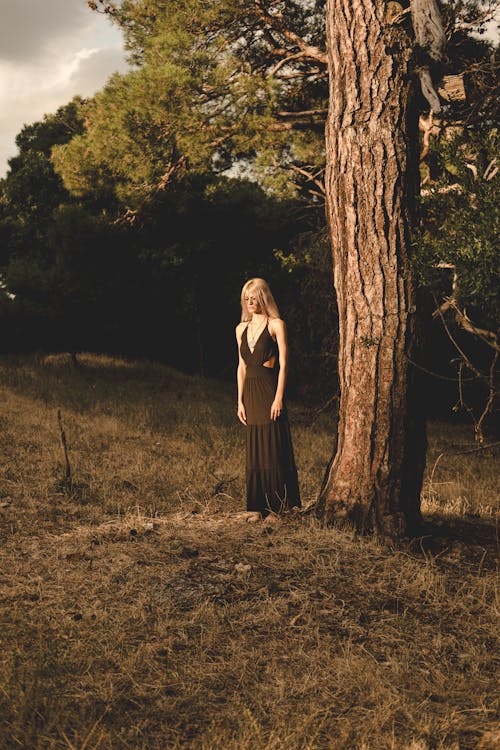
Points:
point(272, 518)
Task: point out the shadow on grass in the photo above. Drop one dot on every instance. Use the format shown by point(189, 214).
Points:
point(475, 540)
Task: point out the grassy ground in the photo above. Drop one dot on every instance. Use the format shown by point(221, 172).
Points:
point(140, 612)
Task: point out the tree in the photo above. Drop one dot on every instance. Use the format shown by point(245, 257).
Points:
point(375, 477)
point(29, 195)
point(238, 83)
point(375, 56)
point(213, 85)
point(60, 263)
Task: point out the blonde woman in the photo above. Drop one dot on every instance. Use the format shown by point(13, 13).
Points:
point(271, 475)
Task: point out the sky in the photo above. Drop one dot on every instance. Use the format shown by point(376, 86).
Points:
point(50, 50)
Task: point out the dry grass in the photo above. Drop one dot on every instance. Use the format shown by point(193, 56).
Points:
point(140, 612)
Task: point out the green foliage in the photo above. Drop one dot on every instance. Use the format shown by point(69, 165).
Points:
point(29, 196)
point(226, 84)
point(124, 150)
point(461, 222)
point(210, 91)
point(54, 252)
point(32, 188)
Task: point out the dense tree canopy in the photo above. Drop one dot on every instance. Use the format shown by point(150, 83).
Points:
point(231, 83)
point(73, 277)
point(216, 84)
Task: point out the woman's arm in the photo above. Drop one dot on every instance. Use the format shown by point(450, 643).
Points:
point(240, 375)
point(278, 328)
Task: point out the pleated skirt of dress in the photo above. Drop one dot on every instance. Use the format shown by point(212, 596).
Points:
point(271, 473)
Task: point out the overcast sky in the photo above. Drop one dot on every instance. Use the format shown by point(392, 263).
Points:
point(50, 50)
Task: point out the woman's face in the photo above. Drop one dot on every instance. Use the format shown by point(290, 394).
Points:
point(252, 302)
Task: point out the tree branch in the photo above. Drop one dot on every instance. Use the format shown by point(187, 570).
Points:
point(430, 37)
point(310, 177)
point(303, 113)
point(284, 61)
point(489, 337)
point(274, 20)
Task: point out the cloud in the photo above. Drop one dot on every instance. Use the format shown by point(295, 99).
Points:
point(29, 25)
point(87, 77)
point(58, 53)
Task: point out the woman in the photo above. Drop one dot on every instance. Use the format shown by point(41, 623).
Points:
point(271, 474)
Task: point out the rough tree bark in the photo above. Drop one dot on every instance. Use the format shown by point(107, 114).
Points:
point(375, 477)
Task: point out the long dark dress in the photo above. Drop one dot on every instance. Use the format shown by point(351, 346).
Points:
point(271, 474)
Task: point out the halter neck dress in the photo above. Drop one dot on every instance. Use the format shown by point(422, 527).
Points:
point(271, 474)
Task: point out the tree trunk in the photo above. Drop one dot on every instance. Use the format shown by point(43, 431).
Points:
point(375, 477)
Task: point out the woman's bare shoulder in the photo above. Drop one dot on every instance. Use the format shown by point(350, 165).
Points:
point(240, 328)
point(276, 324)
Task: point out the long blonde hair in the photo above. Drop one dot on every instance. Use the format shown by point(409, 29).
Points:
point(264, 296)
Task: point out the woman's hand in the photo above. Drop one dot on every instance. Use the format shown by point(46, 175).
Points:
point(276, 408)
point(242, 416)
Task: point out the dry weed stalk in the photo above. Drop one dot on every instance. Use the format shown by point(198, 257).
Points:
point(68, 481)
point(465, 363)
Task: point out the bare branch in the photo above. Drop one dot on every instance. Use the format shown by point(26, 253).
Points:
point(430, 36)
point(463, 355)
point(275, 21)
point(489, 337)
point(283, 127)
point(311, 177)
point(491, 170)
point(428, 27)
point(428, 90)
point(453, 188)
point(429, 128)
point(284, 61)
point(492, 394)
point(303, 113)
